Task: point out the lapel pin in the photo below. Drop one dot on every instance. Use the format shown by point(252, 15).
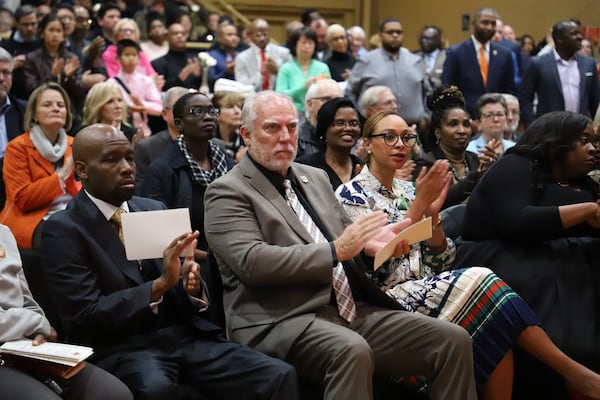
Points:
point(304, 179)
point(494, 52)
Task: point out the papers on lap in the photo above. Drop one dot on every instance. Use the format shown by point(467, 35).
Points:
point(61, 353)
point(58, 360)
point(415, 233)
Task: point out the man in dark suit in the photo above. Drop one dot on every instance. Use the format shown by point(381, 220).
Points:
point(277, 279)
point(12, 110)
point(150, 149)
point(478, 65)
point(561, 79)
point(144, 319)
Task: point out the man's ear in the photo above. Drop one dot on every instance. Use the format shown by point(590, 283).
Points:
point(245, 134)
point(81, 170)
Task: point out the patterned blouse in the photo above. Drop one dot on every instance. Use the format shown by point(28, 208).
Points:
point(365, 194)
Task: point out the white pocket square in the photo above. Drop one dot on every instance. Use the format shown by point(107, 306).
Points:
point(589, 74)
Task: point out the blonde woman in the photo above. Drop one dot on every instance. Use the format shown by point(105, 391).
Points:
point(126, 28)
point(104, 104)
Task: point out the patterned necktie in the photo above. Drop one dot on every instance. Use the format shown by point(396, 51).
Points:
point(341, 287)
point(116, 221)
point(263, 61)
point(483, 65)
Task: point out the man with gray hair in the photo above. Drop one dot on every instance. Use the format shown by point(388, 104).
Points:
point(513, 117)
point(148, 150)
point(316, 95)
point(357, 37)
point(12, 110)
point(376, 98)
point(293, 274)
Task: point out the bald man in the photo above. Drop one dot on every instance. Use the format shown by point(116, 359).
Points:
point(258, 65)
point(146, 319)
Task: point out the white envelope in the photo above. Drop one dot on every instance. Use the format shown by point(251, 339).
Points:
point(415, 233)
point(148, 233)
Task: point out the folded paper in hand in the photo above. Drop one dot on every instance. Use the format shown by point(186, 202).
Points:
point(415, 233)
point(58, 360)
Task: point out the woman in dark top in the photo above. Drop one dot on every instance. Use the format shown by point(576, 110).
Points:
point(540, 190)
point(534, 219)
point(449, 135)
point(339, 127)
point(180, 177)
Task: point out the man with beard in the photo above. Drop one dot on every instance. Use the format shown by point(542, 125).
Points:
point(478, 65)
point(396, 67)
point(145, 319)
point(562, 79)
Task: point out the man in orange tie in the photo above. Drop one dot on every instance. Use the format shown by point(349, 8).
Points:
point(258, 65)
point(478, 65)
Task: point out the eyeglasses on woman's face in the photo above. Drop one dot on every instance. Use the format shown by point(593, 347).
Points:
point(200, 111)
point(391, 139)
point(342, 123)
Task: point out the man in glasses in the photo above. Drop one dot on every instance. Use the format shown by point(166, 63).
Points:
point(317, 94)
point(293, 271)
point(147, 320)
point(397, 68)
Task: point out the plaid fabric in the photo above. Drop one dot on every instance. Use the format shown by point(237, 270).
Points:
point(217, 161)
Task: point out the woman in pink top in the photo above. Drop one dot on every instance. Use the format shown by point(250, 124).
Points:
point(127, 28)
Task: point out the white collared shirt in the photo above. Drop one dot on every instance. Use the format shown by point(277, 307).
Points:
point(478, 45)
point(568, 71)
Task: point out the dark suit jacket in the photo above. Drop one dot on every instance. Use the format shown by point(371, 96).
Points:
point(147, 151)
point(275, 277)
point(461, 68)
point(541, 78)
point(103, 298)
point(14, 118)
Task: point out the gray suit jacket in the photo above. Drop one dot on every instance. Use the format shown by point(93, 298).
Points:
point(435, 75)
point(541, 77)
point(247, 65)
point(275, 278)
point(20, 315)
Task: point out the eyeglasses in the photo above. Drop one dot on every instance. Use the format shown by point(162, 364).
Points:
point(492, 115)
point(391, 139)
point(342, 123)
point(198, 111)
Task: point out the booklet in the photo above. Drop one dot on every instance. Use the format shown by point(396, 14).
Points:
point(58, 360)
point(415, 233)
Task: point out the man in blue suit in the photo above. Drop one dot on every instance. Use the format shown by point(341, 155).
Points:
point(563, 80)
point(145, 319)
point(478, 65)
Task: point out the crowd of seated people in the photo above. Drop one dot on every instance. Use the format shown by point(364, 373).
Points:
point(88, 91)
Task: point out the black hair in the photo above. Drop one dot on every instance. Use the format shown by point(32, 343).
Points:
point(295, 37)
point(326, 114)
point(179, 106)
point(550, 137)
point(439, 102)
point(306, 16)
point(65, 6)
point(151, 17)
point(46, 20)
point(105, 7)
point(126, 43)
point(386, 21)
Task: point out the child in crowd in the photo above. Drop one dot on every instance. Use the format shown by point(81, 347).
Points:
point(139, 91)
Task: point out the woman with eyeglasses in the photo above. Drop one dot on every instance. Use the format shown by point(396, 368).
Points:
point(179, 178)
point(474, 298)
point(338, 127)
point(449, 135)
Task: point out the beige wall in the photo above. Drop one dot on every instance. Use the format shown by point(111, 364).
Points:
point(525, 16)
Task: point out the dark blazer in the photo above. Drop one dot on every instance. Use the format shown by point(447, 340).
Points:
point(171, 64)
point(275, 277)
point(148, 150)
point(15, 117)
point(103, 298)
point(169, 180)
point(461, 68)
point(541, 78)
